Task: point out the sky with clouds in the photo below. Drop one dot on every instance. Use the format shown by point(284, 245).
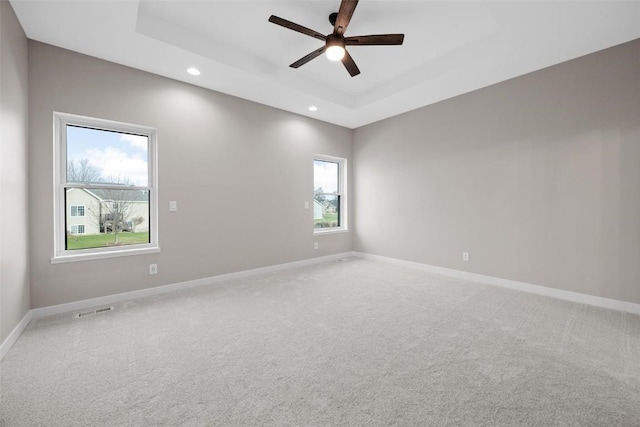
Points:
point(123, 157)
point(325, 175)
point(119, 157)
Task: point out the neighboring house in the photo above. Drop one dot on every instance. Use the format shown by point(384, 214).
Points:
point(88, 211)
point(328, 207)
point(317, 210)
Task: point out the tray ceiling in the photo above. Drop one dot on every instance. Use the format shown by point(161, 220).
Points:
point(450, 48)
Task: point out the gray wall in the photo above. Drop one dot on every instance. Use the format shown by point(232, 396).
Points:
point(14, 223)
point(537, 177)
point(239, 171)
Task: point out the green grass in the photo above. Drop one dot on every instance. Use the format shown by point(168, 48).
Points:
point(328, 220)
point(104, 240)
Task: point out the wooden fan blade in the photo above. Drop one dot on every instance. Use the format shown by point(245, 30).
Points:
point(347, 7)
point(375, 40)
point(295, 27)
point(350, 64)
point(308, 58)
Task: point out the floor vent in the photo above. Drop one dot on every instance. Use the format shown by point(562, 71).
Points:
point(92, 312)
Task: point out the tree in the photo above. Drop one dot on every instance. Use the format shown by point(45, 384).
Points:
point(118, 212)
point(334, 202)
point(83, 171)
point(319, 195)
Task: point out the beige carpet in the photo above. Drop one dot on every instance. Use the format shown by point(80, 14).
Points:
point(352, 343)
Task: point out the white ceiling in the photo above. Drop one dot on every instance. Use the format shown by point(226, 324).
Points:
point(451, 47)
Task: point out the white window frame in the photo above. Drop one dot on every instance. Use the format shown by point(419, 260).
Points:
point(342, 192)
point(61, 254)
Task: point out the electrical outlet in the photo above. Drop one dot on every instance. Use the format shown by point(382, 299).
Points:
point(465, 256)
point(153, 268)
point(306, 205)
point(173, 206)
point(315, 245)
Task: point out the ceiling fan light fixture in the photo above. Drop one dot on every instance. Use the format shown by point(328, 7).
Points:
point(335, 53)
point(336, 42)
point(335, 47)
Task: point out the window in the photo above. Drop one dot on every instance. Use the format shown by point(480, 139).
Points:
point(329, 200)
point(77, 210)
point(77, 229)
point(106, 195)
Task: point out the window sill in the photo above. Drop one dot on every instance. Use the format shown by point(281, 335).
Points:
point(100, 255)
point(320, 231)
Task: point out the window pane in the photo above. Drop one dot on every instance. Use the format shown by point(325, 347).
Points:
point(325, 176)
point(77, 229)
point(112, 217)
point(77, 210)
point(326, 210)
point(101, 156)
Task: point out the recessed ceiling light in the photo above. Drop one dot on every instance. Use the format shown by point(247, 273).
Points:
point(193, 71)
point(313, 108)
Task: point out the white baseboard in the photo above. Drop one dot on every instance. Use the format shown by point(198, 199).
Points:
point(15, 334)
point(613, 304)
point(126, 296)
point(37, 313)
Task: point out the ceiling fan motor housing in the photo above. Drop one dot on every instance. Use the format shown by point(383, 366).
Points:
point(335, 40)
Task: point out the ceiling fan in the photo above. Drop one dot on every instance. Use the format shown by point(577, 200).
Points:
point(336, 42)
